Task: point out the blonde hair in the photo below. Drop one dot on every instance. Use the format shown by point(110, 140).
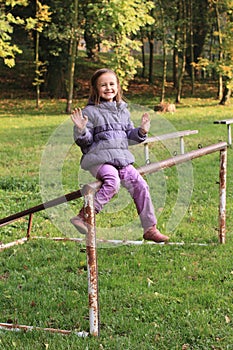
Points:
point(94, 95)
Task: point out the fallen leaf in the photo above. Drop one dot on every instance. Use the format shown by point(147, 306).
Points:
point(33, 303)
point(185, 346)
point(149, 282)
point(4, 276)
point(227, 319)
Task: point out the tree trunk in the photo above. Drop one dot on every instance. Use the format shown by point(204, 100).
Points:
point(143, 59)
point(164, 73)
point(180, 79)
point(55, 82)
point(220, 80)
point(91, 45)
point(175, 63)
point(72, 58)
point(191, 44)
point(182, 10)
point(37, 70)
point(175, 52)
point(151, 59)
point(164, 78)
point(226, 96)
point(37, 62)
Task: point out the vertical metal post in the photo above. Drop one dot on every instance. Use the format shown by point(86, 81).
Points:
point(29, 225)
point(181, 145)
point(222, 195)
point(92, 261)
point(146, 153)
point(229, 134)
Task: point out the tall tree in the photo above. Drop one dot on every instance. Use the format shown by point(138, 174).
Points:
point(42, 17)
point(151, 41)
point(198, 26)
point(72, 57)
point(56, 44)
point(221, 58)
point(164, 46)
point(190, 15)
point(227, 64)
point(91, 29)
point(166, 14)
point(220, 50)
point(182, 17)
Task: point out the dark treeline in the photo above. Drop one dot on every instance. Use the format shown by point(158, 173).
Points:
point(196, 34)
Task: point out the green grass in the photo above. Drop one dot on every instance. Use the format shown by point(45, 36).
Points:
point(188, 304)
point(188, 299)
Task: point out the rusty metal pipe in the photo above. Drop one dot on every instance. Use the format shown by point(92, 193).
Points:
point(29, 225)
point(167, 163)
point(91, 260)
point(52, 203)
point(222, 195)
point(146, 169)
point(24, 328)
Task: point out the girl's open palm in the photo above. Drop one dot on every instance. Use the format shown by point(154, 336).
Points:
point(145, 122)
point(79, 119)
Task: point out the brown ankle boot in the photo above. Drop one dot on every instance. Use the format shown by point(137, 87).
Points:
point(153, 234)
point(79, 222)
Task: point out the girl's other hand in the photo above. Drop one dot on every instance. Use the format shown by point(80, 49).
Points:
point(145, 123)
point(79, 119)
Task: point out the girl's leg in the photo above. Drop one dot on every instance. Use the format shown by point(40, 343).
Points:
point(139, 191)
point(110, 186)
point(108, 174)
point(138, 188)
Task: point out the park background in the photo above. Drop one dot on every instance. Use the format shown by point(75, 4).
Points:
point(151, 296)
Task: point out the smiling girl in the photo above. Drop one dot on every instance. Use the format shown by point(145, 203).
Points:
point(103, 130)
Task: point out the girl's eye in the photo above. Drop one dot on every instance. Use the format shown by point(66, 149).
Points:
point(104, 84)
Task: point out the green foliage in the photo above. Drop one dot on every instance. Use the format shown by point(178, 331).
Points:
point(43, 16)
point(118, 21)
point(13, 3)
point(222, 12)
point(7, 20)
point(8, 51)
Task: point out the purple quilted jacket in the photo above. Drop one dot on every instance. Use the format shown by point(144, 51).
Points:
point(108, 134)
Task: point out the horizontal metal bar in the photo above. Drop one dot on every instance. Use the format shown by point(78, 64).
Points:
point(11, 244)
point(167, 163)
point(18, 328)
point(117, 241)
point(146, 169)
point(224, 121)
point(52, 203)
point(172, 135)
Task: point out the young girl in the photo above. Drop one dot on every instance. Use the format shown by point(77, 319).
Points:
point(103, 130)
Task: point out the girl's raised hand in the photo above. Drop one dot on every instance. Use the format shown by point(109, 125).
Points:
point(79, 119)
point(145, 123)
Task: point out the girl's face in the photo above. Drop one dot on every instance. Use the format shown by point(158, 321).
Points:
point(107, 86)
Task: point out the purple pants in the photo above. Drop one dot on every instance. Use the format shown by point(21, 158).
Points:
point(130, 178)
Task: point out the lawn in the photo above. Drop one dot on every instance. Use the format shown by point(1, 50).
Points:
point(151, 296)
